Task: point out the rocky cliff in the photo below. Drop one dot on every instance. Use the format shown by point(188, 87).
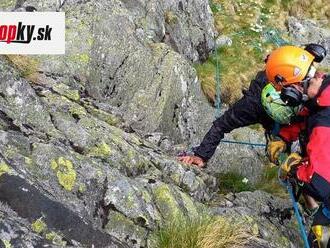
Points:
point(83, 137)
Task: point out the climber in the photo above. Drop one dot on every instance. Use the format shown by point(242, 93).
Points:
point(312, 170)
point(262, 104)
point(251, 109)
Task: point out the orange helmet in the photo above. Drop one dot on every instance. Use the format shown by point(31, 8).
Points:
point(288, 64)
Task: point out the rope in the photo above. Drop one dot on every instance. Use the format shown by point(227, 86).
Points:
point(217, 86)
point(288, 185)
point(243, 143)
point(271, 36)
point(218, 103)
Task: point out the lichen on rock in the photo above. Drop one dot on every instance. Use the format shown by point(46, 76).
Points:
point(65, 172)
point(4, 168)
point(39, 226)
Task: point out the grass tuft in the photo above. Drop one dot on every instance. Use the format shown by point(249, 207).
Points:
point(233, 182)
point(203, 231)
point(26, 66)
point(269, 181)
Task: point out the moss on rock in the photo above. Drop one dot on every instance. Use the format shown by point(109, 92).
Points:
point(166, 201)
point(102, 115)
point(64, 90)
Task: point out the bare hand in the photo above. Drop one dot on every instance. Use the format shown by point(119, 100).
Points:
point(192, 160)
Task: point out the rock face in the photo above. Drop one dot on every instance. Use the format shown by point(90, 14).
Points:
point(135, 56)
point(70, 158)
point(308, 31)
point(265, 214)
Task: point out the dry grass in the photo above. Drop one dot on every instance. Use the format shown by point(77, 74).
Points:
point(314, 9)
point(224, 233)
point(203, 232)
point(27, 66)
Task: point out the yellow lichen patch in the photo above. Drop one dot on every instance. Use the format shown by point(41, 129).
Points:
point(65, 90)
point(65, 172)
point(100, 150)
point(82, 59)
point(166, 201)
point(82, 188)
point(6, 243)
point(55, 239)
point(28, 161)
point(112, 120)
point(4, 168)
point(77, 110)
point(39, 226)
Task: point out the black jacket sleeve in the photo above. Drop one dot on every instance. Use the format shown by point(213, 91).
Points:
point(248, 110)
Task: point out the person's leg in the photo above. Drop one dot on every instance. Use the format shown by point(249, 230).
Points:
point(311, 206)
point(319, 234)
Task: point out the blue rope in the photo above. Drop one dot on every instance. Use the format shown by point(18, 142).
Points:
point(297, 213)
point(243, 143)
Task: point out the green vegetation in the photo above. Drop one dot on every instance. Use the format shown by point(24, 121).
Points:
point(170, 18)
point(269, 181)
point(203, 231)
point(235, 182)
point(254, 28)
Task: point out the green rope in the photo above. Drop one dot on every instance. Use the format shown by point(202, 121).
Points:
point(272, 36)
point(217, 86)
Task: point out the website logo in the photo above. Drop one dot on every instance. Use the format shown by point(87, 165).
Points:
point(32, 33)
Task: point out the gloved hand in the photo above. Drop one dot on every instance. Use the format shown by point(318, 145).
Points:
point(290, 165)
point(192, 160)
point(275, 147)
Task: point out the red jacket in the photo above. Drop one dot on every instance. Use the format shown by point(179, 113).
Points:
point(318, 133)
point(315, 168)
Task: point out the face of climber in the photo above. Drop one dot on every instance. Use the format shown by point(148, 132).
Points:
point(314, 87)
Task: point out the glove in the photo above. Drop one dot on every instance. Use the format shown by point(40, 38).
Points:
point(289, 166)
point(275, 147)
